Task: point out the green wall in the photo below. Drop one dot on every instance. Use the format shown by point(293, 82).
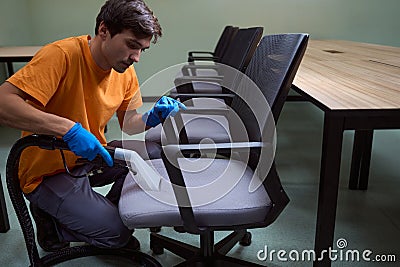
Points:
point(196, 24)
point(15, 21)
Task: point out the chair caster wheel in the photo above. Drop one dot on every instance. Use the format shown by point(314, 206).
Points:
point(155, 229)
point(158, 250)
point(246, 240)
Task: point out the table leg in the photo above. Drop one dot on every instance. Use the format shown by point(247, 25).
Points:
point(361, 159)
point(328, 187)
point(4, 223)
point(10, 68)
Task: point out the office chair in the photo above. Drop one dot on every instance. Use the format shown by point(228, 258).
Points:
point(236, 210)
point(242, 205)
point(237, 57)
point(223, 42)
point(25, 221)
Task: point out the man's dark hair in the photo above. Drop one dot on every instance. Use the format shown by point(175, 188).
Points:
point(133, 15)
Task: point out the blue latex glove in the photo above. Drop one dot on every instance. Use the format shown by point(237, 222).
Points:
point(85, 144)
point(164, 107)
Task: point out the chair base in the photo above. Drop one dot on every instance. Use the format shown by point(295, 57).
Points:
point(208, 254)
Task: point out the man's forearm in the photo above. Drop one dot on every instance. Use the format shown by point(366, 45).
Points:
point(132, 123)
point(15, 112)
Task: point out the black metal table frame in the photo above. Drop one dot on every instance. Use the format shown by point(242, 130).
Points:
point(4, 222)
point(363, 122)
point(10, 60)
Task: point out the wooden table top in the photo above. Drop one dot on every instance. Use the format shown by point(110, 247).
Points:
point(345, 75)
point(18, 51)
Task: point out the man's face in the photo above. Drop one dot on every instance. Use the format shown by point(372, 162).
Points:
point(123, 49)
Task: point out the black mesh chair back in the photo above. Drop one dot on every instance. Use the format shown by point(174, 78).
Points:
point(242, 47)
point(223, 42)
point(281, 54)
point(272, 69)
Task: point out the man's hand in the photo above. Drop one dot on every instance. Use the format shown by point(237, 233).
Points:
point(85, 144)
point(164, 107)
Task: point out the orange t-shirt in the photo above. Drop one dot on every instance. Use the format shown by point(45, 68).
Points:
point(64, 80)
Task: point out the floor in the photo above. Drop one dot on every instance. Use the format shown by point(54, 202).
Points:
point(366, 220)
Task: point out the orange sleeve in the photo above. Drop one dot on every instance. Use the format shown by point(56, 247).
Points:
point(41, 76)
point(133, 97)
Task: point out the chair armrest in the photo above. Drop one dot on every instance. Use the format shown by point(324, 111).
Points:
point(200, 67)
point(200, 58)
point(206, 111)
point(192, 57)
point(184, 149)
point(185, 97)
point(200, 52)
point(215, 79)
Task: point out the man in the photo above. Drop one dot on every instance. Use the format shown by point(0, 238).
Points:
point(71, 88)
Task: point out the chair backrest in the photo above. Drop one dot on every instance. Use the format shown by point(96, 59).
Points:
point(225, 39)
point(272, 69)
point(242, 47)
point(281, 55)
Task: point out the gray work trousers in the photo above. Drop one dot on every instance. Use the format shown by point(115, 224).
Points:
point(81, 214)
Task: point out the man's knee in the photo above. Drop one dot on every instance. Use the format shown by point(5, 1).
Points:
point(116, 237)
point(90, 217)
point(112, 233)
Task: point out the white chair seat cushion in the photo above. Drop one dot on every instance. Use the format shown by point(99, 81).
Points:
point(217, 202)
